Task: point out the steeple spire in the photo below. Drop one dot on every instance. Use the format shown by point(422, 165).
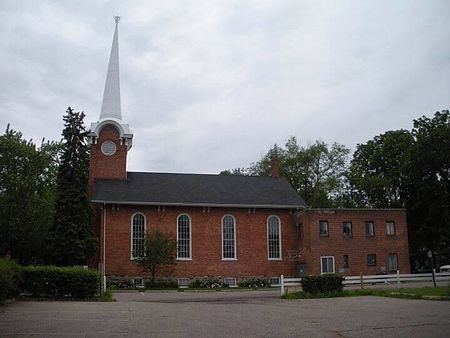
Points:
point(111, 113)
point(111, 95)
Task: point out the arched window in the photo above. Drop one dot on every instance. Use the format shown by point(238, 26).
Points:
point(137, 235)
point(228, 237)
point(273, 237)
point(183, 237)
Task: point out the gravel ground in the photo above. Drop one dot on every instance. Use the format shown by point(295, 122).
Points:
point(226, 314)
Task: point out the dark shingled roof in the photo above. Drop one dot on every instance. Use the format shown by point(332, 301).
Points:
point(197, 190)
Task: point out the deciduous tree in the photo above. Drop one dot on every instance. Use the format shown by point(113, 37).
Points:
point(429, 203)
point(379, 171)
point(27, 184)
point(158, 253)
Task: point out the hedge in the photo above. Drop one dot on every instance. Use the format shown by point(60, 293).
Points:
point(254, 282)
point(51, 281)
point(322, 284)
point(210, 282)
point(161, 284)
point(10, 277)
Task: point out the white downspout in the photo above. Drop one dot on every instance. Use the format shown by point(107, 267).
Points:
point(104, 249)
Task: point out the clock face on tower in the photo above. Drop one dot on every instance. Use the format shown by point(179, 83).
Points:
point(108, 148)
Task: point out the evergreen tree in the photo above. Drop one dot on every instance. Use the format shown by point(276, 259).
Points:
point(72, 239)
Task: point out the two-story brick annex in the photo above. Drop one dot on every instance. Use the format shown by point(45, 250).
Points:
point(229, 226)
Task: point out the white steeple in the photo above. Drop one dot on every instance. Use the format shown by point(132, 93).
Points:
point(111, 113)
point(111, 94)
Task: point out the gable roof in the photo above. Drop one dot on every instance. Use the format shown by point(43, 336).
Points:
point(197, 190)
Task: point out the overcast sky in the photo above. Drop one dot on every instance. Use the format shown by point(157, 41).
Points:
point(210, 85)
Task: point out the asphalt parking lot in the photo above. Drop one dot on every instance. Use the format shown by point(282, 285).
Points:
point(226, 314)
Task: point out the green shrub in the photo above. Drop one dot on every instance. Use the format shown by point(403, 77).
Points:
point(209, 282)
point(161, 284)
point(10, 276)
point(51, 281)
point(322, 284)
point(254, 282)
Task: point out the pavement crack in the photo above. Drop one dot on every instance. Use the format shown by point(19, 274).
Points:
point(387, 327)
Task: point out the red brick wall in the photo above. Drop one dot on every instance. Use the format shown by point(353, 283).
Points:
point(251, 241)
point(102, 166)
point(358, 246)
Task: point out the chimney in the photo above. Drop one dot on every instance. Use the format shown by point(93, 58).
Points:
point(274, 166)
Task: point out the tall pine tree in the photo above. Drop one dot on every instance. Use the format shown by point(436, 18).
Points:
point(72, 239)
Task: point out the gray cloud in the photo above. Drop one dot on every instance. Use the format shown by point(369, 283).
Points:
point(209, 85)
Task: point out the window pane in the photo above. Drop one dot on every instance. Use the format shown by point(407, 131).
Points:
point(323, 228)
point(392, 264)
point(369, 229)
point(184, 237)
point(345, 261)
point(390, 228)
point(327, 264)
point(138, 235)
point(273, 236)
point(371, 260)
point(228, 237)
point(347, 229)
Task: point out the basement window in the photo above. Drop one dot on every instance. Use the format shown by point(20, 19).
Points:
point(274, 281)
point(139, 282)
point(230, 281)
point(183, 282)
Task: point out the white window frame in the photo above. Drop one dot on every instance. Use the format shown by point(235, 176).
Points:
point(321, 265)
point(279, 239)
point(388, 227)
point(234, 243)
point(131, 235)
point(190, 238)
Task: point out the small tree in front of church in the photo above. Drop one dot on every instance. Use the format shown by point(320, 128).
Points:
point(158, 254)
point(71, 239)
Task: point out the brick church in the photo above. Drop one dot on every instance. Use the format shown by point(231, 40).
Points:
point(228, 226)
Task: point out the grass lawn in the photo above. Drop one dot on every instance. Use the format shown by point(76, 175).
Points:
point(411, 293)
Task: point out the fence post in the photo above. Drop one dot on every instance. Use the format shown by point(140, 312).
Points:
point(361, 280)
point(282, 284)
point(434, 277)
point(398, 279)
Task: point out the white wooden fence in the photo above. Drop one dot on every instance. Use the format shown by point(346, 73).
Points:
point(361, 280)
